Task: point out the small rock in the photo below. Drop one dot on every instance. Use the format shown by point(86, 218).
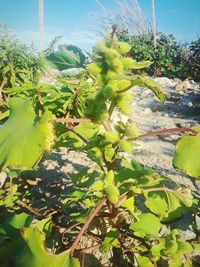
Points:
point(147, 111)
point(190, 104)
point(3, 177)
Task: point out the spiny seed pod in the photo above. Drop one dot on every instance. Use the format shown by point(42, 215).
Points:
point(111, 53)
point(131, 130)
point(107, 92)
point(111, 74)
point(113, 84)
point(128, 62)
point(122, 47)
point(116, 64)
point(100, 48)
point(126, 146)
point(112, 137)
point(93, 68)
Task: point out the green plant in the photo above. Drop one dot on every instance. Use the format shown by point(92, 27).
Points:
point(166, 57)
point(18, 63)
point(192, 66)
point(122, 207)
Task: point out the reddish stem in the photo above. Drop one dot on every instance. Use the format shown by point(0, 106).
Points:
point(164, 131)
point(89, 249)
point(31, 209)
point(85, 226)
point(83, 260)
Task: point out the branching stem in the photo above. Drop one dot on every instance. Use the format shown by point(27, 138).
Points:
point(30, 208)
point(164, 131)
point(85, 226)
point(71, 120)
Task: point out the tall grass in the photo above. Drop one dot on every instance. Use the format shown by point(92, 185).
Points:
point(126, 14)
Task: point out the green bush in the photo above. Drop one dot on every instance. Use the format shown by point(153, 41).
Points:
point(193, 64)
point(170, 58)
point(19, 64)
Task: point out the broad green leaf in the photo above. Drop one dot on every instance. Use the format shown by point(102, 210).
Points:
point(147, 224)
point(187, 155)
point(156, 204)
point(109, 177)
point(111, 240)
point(129, 205)
point(156, 250)
point(26, 245)
point(109, 152)
point(112, 193)
point(184, 247)
point(34, 254)
point(97, 186)
point(144, 262)
point(150, 84)
point(24, 136)
point(176, 207)
point(67, 56)
point(130, 63)
point(87, 130)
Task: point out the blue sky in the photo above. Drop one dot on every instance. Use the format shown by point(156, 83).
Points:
point(75, 21)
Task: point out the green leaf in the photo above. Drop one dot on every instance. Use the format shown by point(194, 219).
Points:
point(176, 207)
point(184, 247)
point(150, 84)
point(156, 250)
point(67, 56)
point(112, 193)
point(109, 152)
point(130, 63)
point(97, 186)
point(87, 130)
point(187, 155)
point(111, 240)
point(131, 130)
point(129, 205)
point(196, 246)
point(34, 254)
point(24, 136)
point(109, 177)
point(126, 146)
point(147, 224)
point(156, 204)
point(144, 262)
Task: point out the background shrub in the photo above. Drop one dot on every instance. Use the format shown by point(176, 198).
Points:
point(170, 58)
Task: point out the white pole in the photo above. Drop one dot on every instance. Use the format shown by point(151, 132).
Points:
point(41, 24)
point(154, 23)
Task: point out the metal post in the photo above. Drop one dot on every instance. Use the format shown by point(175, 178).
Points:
point(41, 24)
point(154, 23)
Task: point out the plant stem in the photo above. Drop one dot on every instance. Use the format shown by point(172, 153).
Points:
point(79, 135)
point(164, 131)
point(85, 226)
point(89, 249)
point(31, 209)
point(111, 109)
point(70, 120)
